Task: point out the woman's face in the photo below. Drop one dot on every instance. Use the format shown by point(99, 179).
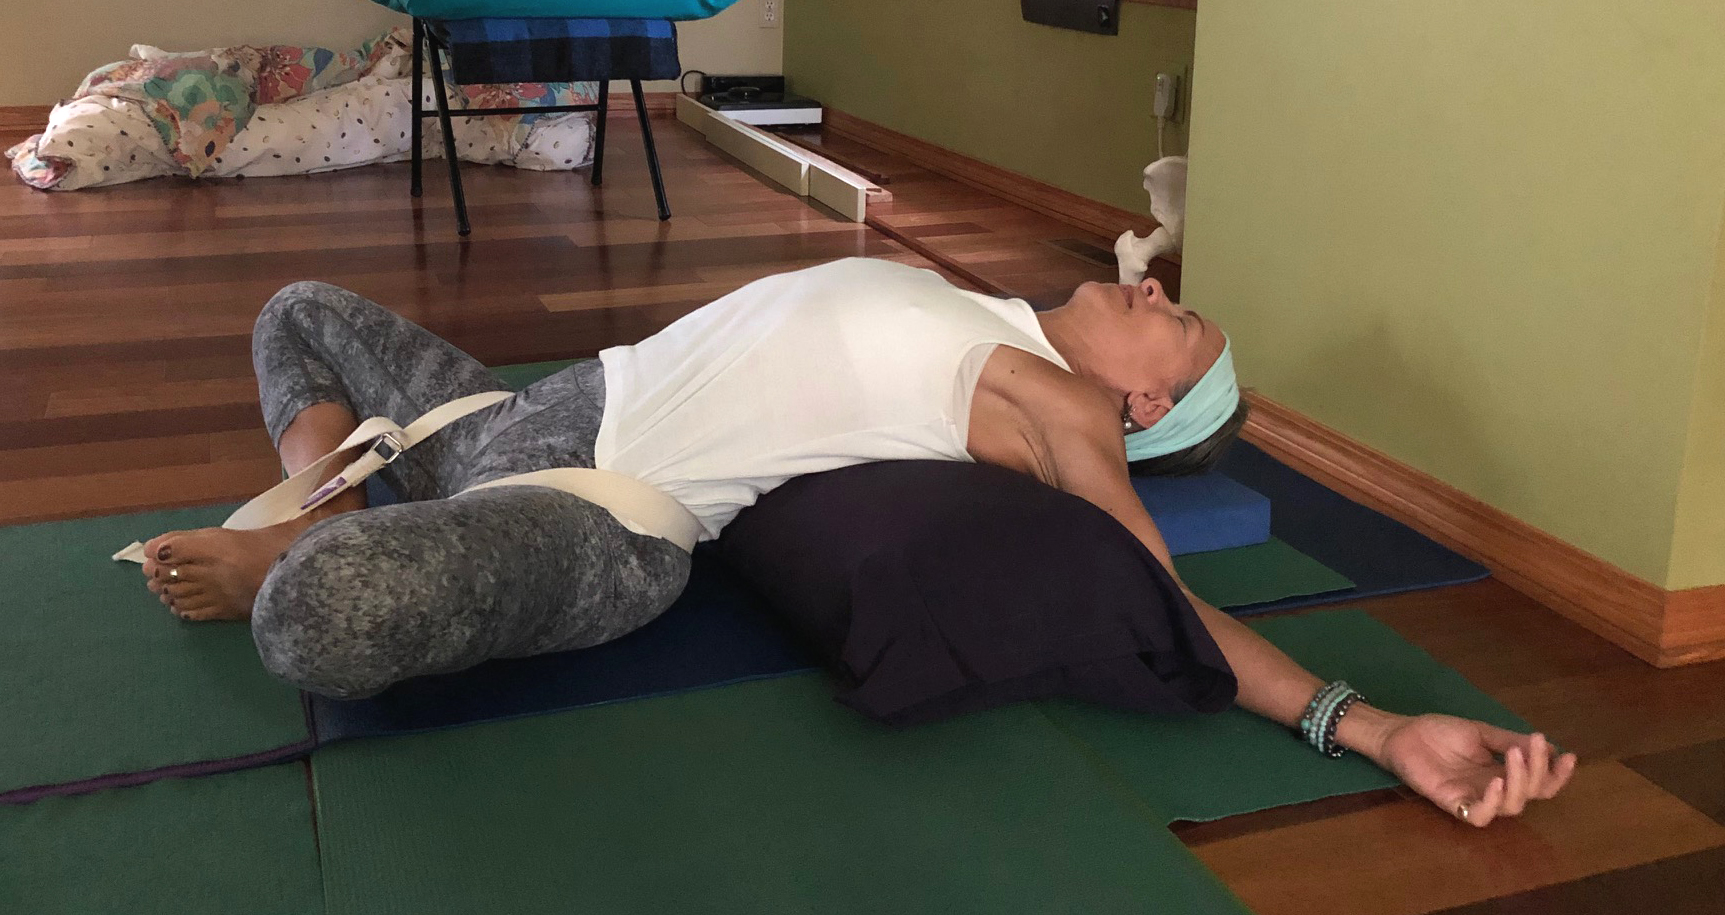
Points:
point(1144, 344)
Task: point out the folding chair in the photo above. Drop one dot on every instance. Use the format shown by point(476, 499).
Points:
point(481, 51)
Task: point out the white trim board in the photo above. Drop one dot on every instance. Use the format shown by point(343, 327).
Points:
point(760, 151)
point(849, 198)
point(804, 173)
point(767, 117)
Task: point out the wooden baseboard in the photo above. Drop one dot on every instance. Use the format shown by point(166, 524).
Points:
point(1694, 626)
point(1106, 221)
point(1665, 628)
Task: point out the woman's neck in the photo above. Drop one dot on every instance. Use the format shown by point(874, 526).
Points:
point(1067, 338)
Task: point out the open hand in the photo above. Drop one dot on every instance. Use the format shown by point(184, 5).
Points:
point(1473, 770)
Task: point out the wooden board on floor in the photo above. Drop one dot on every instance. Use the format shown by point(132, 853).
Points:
point(771, 157)
point(805, 173)
point(846, 196)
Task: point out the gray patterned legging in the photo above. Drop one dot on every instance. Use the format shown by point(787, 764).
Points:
point(434, 584)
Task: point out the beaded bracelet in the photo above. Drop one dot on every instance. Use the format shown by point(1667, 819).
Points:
point(1316, 720)
point(1316, 709)
point(1330, 748)
point(1323, 715)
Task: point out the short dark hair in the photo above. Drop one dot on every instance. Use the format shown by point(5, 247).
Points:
point(1200, 457)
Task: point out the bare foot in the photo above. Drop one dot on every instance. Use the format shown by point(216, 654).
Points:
point(214, 573)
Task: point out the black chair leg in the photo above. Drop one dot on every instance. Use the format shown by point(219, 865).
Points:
point(599, 131)
point(449, 141)
point(652, 155)
point(418, 104)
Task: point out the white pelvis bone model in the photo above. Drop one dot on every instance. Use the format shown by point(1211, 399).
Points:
point(1165, 179)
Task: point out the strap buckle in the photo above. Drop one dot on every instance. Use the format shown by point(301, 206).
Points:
point(388, 447)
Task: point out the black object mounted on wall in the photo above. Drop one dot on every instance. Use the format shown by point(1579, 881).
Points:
point(1099, 16)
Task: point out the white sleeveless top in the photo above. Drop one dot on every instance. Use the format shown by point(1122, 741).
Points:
point(854, 361)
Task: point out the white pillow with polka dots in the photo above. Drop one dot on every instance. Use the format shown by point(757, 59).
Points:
point(357, 123)
point(107, 140)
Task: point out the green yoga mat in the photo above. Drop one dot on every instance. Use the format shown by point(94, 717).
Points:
point(99, 678)
point(520, 376)
point(1256, 574)
point(762, 797)
point(1243, 763)
point(101, 681)
point(767, 797)
point(236, 843)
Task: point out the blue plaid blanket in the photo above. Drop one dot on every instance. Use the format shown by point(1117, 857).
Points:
point(560, 9)
point(558, 50)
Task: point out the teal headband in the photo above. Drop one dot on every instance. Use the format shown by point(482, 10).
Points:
point(1196, 417)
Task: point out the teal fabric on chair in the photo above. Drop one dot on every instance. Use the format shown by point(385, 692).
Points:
point(559, 9)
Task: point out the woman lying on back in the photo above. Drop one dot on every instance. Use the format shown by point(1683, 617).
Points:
point(852, 361)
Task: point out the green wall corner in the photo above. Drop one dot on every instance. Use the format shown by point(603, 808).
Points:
point(1477, 236)
point(1068, 108)
point(1482, 237)
point(1698, 548)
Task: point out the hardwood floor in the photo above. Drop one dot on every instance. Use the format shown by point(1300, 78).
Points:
point(126, 312)
point(124, 321)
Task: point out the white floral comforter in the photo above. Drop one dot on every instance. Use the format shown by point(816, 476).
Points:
point(363, 116)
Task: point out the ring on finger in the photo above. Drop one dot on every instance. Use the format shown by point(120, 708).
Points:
point(1462, 810)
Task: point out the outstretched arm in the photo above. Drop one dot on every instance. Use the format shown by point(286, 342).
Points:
point(1471, 769)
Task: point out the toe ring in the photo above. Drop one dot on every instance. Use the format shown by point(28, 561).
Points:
point(174, 574)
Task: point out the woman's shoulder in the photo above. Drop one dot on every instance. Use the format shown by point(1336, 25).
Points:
point(1027, 409)
point(1046, 390)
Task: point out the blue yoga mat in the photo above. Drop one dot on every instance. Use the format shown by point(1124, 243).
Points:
point(1379, 554)
point(718, 632)
point(1204, 513)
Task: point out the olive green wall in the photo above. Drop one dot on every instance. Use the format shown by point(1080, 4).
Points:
point(1483, 237)
point(1068, 108)
point(1480, 236)
point(1698, 553)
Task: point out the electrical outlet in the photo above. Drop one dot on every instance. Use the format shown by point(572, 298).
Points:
point(770, 14)
point(1167, 95)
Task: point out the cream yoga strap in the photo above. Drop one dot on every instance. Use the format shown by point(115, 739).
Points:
point(636, 505)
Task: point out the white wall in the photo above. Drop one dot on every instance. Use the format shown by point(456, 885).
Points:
point(46, 49)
